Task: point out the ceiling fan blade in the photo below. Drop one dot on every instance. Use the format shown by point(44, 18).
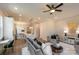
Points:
point(53, 6)
point(59, 10)
point(59, 5)
point(50, 13)
point(48, 6)
point(46, 11)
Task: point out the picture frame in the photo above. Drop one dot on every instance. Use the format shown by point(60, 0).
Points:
point(30, 30)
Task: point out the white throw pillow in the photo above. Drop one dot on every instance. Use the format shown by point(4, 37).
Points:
point(46, 47)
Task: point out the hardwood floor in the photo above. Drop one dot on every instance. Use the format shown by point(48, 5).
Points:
point(17, 47)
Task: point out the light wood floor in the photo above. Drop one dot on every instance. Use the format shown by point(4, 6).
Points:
point(17, 47)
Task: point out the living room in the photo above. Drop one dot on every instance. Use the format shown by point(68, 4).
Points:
point(23, 24)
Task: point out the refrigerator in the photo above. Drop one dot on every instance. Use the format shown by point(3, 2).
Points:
point(1, 27)
point(6, 28)
point(8, 25)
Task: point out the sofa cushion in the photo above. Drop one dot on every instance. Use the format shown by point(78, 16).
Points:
point(34, 43)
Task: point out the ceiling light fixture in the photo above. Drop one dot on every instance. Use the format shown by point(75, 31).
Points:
point(38, 18)
point(15, 8)
point(20, 14)
point(52, 11)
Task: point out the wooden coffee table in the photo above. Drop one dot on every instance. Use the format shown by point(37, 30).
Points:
point(57, 49)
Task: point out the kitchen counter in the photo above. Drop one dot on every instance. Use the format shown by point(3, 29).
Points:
point(4, 41)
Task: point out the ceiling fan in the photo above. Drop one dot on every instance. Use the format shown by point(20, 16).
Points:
point(53, 8)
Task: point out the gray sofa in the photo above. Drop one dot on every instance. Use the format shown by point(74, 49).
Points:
point(34, 48)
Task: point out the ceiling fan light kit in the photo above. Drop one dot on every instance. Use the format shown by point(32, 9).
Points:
point(51, 11)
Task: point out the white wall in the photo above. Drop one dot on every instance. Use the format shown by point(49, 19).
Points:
point(1, 13)
point(46, 29)
point(8, 27)
point(56, 26)
point(61, 24)
point(59, 28)
point(37, 30)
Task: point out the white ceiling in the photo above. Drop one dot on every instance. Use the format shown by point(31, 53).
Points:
point(34, 10)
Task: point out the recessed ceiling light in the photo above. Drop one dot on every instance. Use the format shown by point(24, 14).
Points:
point(38, 18)
point(15, 8)
point(20, 14)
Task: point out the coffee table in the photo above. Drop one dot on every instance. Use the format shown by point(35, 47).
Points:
point(57, 49)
